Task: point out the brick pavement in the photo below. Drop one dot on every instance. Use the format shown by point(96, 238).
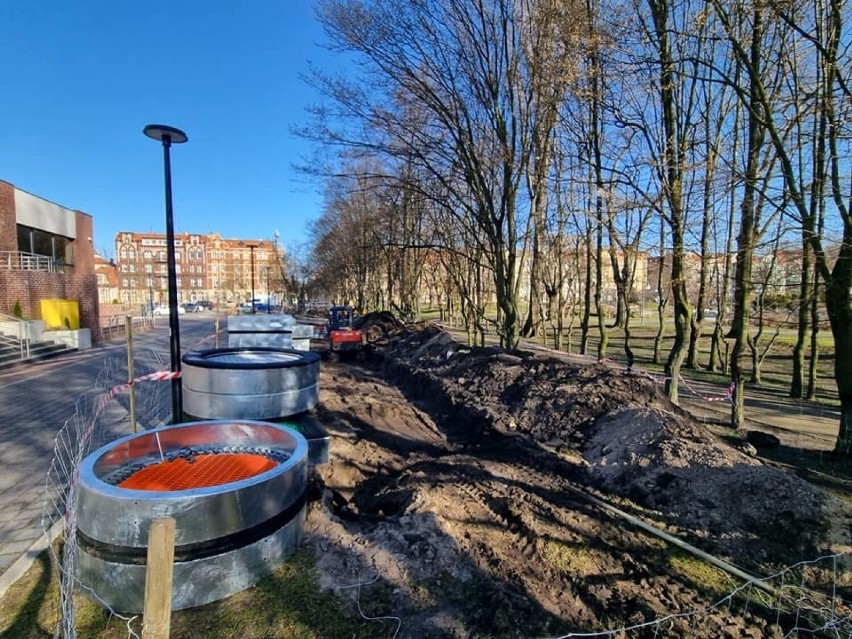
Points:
point(35, 401)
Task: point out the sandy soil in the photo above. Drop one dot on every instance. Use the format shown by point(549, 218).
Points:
point(459, 499)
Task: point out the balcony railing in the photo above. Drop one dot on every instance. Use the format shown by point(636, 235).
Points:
point(20, 261)
point(18, 330)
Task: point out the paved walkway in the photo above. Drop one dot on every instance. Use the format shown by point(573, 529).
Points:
point(35, 401)
point(813, 424)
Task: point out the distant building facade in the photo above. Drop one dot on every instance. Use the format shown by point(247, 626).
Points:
point(106, 273)
point(46, 252)
point(208, 267)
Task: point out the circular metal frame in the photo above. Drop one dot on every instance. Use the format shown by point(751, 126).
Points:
point(249, 383)
point(121, 517)
point(226, 536)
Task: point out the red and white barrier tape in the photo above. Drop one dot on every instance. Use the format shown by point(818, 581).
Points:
point(159, 376)
point(222, 329)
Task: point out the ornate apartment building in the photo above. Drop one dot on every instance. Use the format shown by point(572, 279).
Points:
point(208, 267)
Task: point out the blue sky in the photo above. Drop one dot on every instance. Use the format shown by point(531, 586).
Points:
point(81, 79)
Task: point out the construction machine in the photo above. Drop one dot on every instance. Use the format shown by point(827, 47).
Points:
point(343, 339)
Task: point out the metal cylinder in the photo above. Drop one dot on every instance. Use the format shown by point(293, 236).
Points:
point(227, 536)
point(249, 383)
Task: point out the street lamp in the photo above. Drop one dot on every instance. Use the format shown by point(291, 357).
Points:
point(168, 135)
point(251, 246)
point(268, 298)
point(150, 295)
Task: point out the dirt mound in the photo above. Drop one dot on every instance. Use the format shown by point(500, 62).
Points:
point(376, 325)
point(739, 506)
point(626, 436)
point(459, 489)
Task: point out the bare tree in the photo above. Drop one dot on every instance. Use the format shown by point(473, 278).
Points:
point(818, 30)
point(460, 65)
point(666, 29)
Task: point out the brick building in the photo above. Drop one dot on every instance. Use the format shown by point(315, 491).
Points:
point(106, 273)
point(45, 253)
point(208, 267)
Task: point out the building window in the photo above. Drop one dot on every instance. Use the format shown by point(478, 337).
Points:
point(31, 240)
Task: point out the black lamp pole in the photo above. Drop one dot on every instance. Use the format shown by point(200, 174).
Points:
point(251, 248)
point(168, 136)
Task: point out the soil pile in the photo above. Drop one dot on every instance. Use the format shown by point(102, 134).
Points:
point(376, 326)
point(456, 488)
point(630, 440)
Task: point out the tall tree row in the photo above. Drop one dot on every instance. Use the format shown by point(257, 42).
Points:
point(510, 157)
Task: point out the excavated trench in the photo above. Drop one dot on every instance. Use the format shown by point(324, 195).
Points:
point(454, 476)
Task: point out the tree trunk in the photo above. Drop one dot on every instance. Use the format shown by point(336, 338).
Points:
point(838, 301)
point(585, 325)
point(746, 237)
point(531, 325)
point(708, 210)
point(682, 312)
point(814, 359)
point(797, 381)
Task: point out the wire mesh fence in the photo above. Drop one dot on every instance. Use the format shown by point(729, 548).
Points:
point(802, 600)
point(101, 415)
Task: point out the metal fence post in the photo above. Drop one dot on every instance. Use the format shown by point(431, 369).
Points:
point(128, 325)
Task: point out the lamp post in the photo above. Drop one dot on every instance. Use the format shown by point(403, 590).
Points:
point(251, 250)
point(268, 298)
point(251, 246)
point(276, 265)
point(150, 296)
point(168, 135)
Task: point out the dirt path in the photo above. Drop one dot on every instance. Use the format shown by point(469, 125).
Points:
point(449, 503)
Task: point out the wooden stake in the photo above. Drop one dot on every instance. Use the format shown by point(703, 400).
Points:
point(128, 325)
point(158, 579)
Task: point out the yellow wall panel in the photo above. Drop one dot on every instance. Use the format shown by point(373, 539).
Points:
point(61, 314)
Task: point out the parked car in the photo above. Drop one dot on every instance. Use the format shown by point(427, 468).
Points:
point(190, 307)
point(204, 305)
point(164, 310)
point(259, 307)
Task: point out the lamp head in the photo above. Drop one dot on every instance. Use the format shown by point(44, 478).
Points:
point(165, 133)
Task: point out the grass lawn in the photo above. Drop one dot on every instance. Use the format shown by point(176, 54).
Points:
point(287, 603)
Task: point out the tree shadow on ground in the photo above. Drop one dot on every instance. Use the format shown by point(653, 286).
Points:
point(26, 624)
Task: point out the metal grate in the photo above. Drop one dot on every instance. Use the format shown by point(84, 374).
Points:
point(197, 471)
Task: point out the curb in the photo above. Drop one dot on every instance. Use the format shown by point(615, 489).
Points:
point(26, 560)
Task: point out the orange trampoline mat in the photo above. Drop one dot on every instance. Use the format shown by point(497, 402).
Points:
point(212, 469)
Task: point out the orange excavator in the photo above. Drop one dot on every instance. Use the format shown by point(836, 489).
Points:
point(343, 339)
